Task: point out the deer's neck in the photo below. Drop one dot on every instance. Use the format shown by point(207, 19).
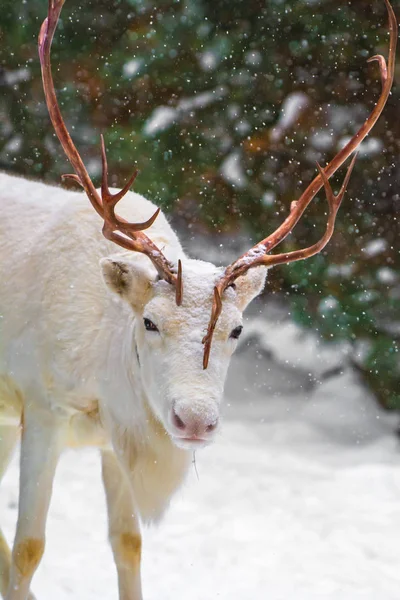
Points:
point(122, 397)
point(124, 401)
point(155, 465)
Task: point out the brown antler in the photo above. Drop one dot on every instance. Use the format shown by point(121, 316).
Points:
point(257, 255)
point(127, 235)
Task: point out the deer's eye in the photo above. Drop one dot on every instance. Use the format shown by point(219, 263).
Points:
point(149, 325)
point(236, 332)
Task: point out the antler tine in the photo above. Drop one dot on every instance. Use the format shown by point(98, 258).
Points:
point(179, 284)
point(119, 195)
point(382, 66)
point(73, 177)
point(257, 255)
point(105, 191)
point(127, 235)
point(215, 313)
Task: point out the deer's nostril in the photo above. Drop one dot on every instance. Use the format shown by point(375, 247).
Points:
point(212, 426)
point(178, 421)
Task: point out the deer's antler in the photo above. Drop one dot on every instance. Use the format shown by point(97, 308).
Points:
point(127, 235)
point(258, 255)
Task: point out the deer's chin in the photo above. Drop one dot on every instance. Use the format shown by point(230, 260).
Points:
point(191, 443)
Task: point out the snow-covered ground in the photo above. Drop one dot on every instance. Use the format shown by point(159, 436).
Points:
point(298, 499)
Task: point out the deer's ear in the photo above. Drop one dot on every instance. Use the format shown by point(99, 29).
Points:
point(131, 278)
point(250, 285)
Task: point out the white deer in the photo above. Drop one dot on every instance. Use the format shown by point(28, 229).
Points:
point(136, 369)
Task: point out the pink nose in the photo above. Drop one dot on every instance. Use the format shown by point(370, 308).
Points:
point(190, 424)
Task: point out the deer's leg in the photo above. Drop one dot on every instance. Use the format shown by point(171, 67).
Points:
point(8, 439)
point(40, 450)
point(124, 529)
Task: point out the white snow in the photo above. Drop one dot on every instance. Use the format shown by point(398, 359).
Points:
point(14, 145)
point(292, 107)
point(17, 76)
point(344, 270)
point(370, 147)
point(295, 347)
point(268, 198)
point(201, 100)
point(298, 499)
point(253, 58)
point(327, 304)
point(387, 275)
point(232, 170)
point(321, 140)
point(208, 60)
point(163, 117)
point(132, 67)
point(375, 247)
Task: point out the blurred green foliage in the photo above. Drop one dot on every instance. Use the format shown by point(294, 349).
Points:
point(191, 91)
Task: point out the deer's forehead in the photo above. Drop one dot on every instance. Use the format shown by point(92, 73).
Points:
point(192, 316)
point(199, 280)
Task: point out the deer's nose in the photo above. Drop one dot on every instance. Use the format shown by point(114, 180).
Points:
point(190, 422)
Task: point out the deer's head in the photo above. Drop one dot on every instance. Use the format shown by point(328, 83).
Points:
point(184, 352)
point(184, 396)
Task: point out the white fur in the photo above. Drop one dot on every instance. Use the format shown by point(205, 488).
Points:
point(69, 346)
